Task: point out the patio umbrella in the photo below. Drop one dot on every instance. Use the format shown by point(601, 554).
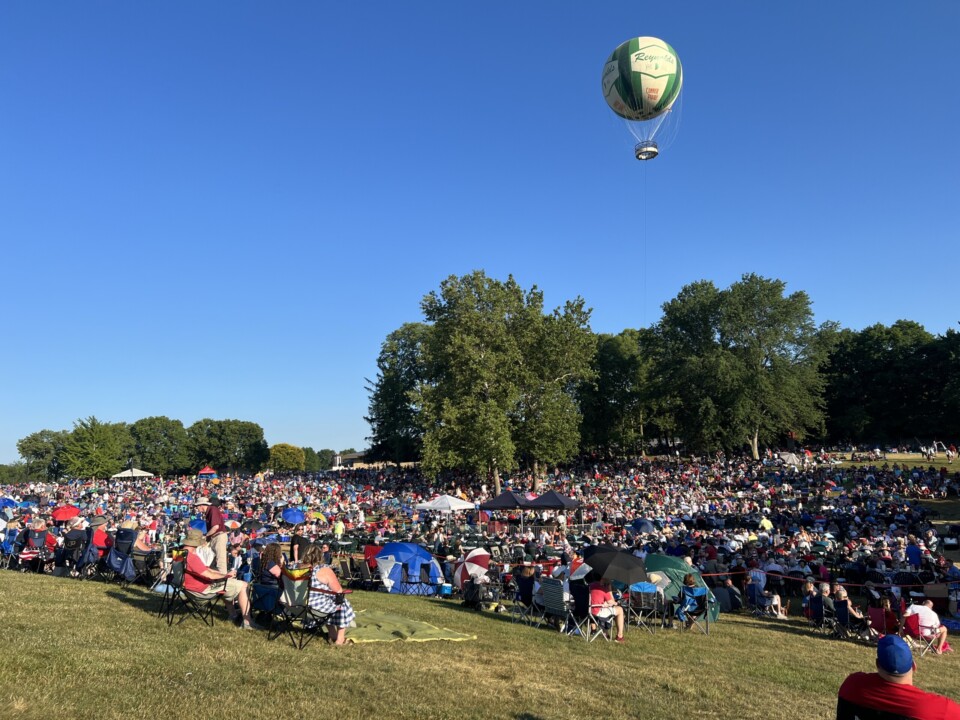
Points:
point(642, 525)
point(292, 515)
point(475, 564)
point(65, 512)
point(616, 565)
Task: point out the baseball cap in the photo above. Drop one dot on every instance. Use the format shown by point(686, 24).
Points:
point(894, 656)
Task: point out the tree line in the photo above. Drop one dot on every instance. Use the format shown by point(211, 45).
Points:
point(96, 449)
point(489, 382)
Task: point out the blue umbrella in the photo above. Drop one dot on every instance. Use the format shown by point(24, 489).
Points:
point(7, 503)
point(294, 516)
point(641, 525)
point(199, 524)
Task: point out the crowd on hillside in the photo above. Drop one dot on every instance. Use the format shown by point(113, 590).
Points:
point(723, 513)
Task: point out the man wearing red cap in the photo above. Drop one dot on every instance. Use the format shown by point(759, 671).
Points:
point(891, 690)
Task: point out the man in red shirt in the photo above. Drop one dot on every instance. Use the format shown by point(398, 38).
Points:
point(216, 531)
point(198, 578)
point(891, 689)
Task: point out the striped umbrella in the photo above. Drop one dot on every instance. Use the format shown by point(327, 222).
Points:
point(475, 564)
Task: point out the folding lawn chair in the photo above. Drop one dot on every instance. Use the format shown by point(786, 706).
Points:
point(347, 577)
point(590, 626)
point(368, 581)
point(294, 617)
point(760, 605)
point(71, 554)
point(410, 584)
point(523, 608)
point(645, 607)
point(8, 549)
point(555, 606)
point(429, 586)
point(193, 604)
point(916, 634)
point(841, 620)
point(265, 603)
point(692, 608)
point(819, 619)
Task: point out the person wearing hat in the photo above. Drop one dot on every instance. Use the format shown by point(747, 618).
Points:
point(216, 532)
point(891, 689)
point(199, 579)
point(101, 538)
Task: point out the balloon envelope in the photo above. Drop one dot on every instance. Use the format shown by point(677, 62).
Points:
point(642, 78)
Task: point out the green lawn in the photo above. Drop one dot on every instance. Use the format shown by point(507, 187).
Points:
point(86, 649)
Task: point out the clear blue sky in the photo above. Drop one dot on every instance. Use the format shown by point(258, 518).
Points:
point(220, 209)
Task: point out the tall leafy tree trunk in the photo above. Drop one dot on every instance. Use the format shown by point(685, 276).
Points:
point(755, 444)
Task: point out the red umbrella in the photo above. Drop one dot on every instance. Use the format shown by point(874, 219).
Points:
point(65, 512)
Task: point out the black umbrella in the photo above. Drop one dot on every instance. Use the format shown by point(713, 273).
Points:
point(249, 525)
point(616, 565)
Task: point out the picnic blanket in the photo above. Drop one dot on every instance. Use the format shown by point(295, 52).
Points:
point(376, 626)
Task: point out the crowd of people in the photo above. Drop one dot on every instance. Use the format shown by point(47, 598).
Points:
point(764, 528)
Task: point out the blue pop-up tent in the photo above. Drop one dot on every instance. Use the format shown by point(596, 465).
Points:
point(390, 561)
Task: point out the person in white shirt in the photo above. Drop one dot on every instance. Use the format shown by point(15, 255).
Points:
point(930, 624)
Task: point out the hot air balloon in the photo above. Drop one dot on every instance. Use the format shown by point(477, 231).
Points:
point(641, 82)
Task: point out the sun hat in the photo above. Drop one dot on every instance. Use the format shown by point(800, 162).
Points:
point(98, 520)
point(894, 656)
point(194, 538)
point(202, 501)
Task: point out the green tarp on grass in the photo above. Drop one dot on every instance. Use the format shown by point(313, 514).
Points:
point(374, 626)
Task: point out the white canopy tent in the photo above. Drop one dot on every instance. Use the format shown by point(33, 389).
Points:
point(132, 473)
point(446, 504)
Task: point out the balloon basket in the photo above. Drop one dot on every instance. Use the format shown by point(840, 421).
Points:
point(646, 150)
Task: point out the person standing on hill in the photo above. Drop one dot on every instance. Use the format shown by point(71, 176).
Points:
point(216, 532)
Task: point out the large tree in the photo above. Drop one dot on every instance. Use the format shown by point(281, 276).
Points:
point(396, 433)
point(616, 404)
point(556, 354)
point(161, 445)
point(42, 453)
point(742, 366)
point(286, 458)
point(498, 374)
point(778, 354)
point(228, 444)
point(96, 449)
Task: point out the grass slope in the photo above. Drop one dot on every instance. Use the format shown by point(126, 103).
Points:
point(86, 649)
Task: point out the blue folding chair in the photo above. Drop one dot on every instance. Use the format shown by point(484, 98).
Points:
point(692, 609)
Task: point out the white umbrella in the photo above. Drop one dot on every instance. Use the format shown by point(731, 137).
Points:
point(132, 473)
point(446, 504)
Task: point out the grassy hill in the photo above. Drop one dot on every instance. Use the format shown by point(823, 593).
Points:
point(86, 649)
